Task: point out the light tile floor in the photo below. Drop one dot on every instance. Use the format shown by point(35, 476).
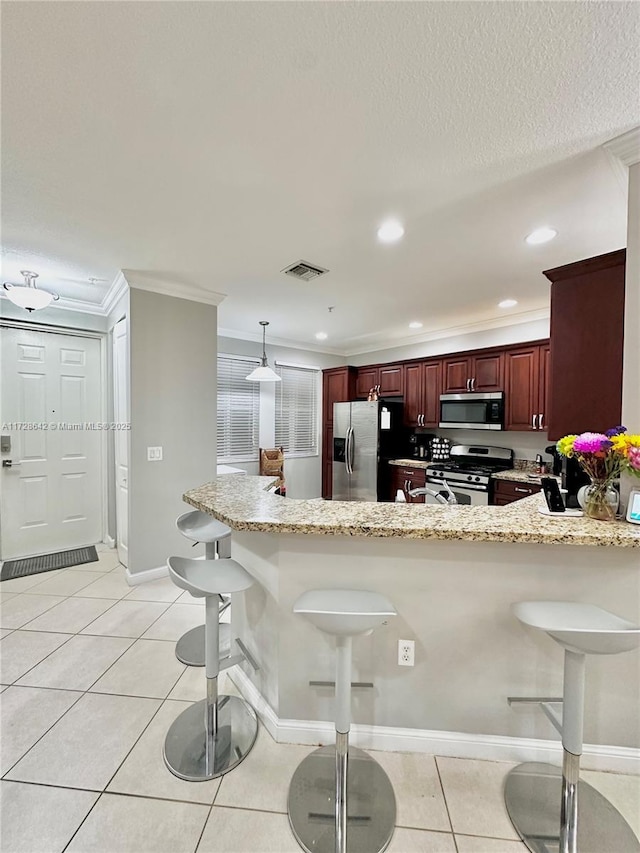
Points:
point(89, 685)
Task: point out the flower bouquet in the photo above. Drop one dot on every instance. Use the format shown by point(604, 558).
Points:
point(604, 456)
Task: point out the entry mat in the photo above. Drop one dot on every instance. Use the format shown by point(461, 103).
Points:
point(47, 562)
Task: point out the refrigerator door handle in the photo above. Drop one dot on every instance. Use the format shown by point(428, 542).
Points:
point(348, 455)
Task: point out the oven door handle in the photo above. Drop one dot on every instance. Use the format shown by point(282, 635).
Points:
point(461, 487)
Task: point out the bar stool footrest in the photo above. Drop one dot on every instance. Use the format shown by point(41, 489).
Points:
point(371, 803)
point(185, 747)
point(533, 794)
point(190, 646)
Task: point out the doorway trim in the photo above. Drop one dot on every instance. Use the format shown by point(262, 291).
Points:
point(69, 331)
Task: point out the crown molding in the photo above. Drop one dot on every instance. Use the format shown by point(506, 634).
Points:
point(622, 152)
point(179, 290)
point(452, 331)
point(117, 289)
point(625, 148)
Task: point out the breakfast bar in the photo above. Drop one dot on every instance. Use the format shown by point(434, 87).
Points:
point(452, 573)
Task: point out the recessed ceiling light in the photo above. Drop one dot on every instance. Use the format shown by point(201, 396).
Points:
point(541, 235)
point(507, 303)
point(321, 336)
point(415, 324)
point(390, 231)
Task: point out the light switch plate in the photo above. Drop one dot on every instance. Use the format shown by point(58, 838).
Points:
point(154, 454)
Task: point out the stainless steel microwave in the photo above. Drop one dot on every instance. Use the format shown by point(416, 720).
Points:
point(472, 411)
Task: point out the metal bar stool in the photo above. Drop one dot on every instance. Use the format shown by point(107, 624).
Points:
point(216, 538)
point(340, 798)
point(213, 735)
point(552, 810)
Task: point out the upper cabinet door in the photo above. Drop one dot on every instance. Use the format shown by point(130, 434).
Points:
point(456, 375)
point(413, 394)
point(432, 389)
point(521, 389)
point(487, 372)
point(544, 374)
point(368, 378)
point(337, 387)
point(391, 380)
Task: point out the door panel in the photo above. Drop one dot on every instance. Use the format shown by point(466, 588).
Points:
point(413, 394)
point(364, 423)
point(391, 379)
point(121, 437)
point(367, 379)
point(52, 496)
point(521, 388)
point(432, 386)
point(457, 372)
point(487, 372)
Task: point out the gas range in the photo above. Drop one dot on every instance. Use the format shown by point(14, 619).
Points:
point(470, 467)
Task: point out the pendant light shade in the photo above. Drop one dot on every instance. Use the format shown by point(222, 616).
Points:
point(263, 373)
point(27, 295)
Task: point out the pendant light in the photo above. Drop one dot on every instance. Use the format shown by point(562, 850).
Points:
point(27, 295)
point(264, 372)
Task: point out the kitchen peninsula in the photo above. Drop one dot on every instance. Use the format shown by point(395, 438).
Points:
point(452, 574)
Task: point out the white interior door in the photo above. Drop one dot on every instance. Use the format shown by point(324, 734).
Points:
point(121, 438)
point(52, 493)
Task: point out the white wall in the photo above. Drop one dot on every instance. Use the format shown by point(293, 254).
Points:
point(173, 370)
point(303, 475)
point(513, 334)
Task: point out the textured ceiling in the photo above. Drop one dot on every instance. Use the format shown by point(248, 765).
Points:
point(219, 142)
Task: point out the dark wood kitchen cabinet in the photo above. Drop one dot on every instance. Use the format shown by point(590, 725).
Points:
point(338, 386)
point(405, 478)
point(389, 378)
point(587, 327)
point(526, 387)
point(507, 491)
point(422, 388)
point(473, 372)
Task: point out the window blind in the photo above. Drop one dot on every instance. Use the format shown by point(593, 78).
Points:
point(297, 397)
point(238, 410)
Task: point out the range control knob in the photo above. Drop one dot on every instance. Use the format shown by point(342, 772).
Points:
point(477, 479)
point(469, 477)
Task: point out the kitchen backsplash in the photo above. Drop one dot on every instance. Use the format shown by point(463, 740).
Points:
point(525, 445)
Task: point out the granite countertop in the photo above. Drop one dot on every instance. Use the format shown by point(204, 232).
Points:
point(411, 463)
point(242, 502)
point(519, 475)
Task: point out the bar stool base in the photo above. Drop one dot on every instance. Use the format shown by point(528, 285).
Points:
point(190, 646)
point(533, 793)
point(185, 752)
point(371, 803)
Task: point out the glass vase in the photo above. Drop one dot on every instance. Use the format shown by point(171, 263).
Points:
point(600, 500)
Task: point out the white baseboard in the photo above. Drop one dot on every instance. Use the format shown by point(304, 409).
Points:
point(135, 578)
point(614, 759)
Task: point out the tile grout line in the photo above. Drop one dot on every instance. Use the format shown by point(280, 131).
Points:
point(27, 671)
point(98, 798)
point(446, 804)
point(25, 627)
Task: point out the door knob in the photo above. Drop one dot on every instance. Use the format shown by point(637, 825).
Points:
point(9, 463)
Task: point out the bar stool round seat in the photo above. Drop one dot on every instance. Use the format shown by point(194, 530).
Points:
point(216, 538)
point(551, 808)
point(340, 798)
point(201, 527)
point(213, 735)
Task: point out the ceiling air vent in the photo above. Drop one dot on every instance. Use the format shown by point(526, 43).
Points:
point(304, 271)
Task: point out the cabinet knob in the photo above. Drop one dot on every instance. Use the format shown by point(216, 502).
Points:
point(540, 416)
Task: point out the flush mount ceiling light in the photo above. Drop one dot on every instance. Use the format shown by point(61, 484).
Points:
point(541, 235)
point(390, 231)
point(322, 336)
point(27, 295)
point(264, 372)
point(415, 324)
point(508, 303)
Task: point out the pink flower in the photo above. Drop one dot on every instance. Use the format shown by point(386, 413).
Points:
point(591, 442)
point(634, 458)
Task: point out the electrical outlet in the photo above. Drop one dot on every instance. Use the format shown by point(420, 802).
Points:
point(406, 652)
point(154, 454)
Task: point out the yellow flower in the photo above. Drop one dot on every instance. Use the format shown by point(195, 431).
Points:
point(565, 445)
point(622, 443)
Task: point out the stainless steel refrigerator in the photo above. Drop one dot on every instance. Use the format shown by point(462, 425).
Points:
point(365, 436)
